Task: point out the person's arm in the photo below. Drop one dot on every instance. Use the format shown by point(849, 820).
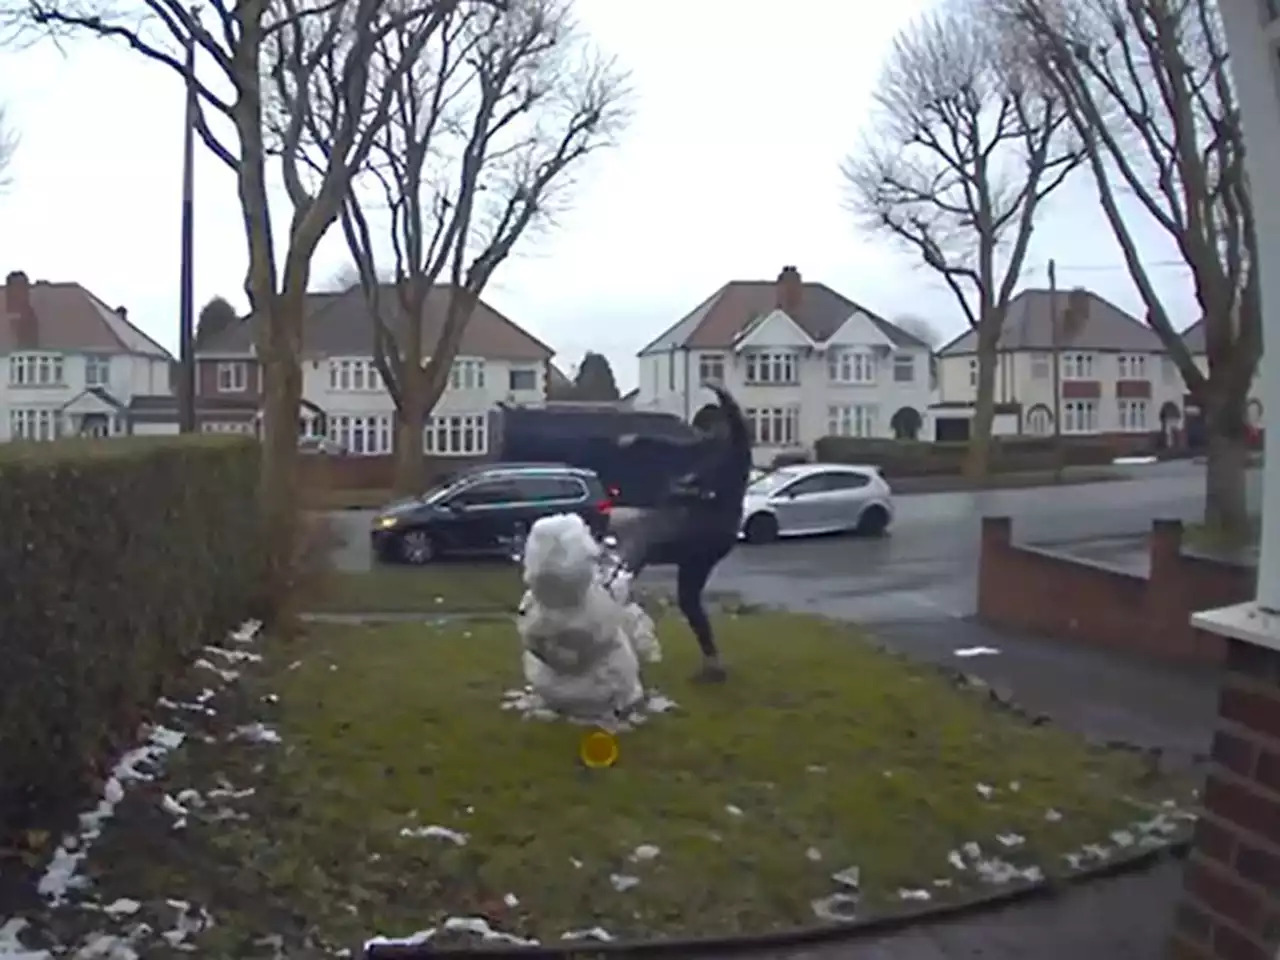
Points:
point(736, 420)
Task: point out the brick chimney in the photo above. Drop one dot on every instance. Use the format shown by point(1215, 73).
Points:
point(1076, 315)
point(790, 290)
point(17, 295)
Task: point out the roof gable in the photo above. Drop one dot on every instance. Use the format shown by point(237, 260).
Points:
point(717, 321)
point(1087, 321)
point(860, 330)
point(338, 325)
point(773, 329)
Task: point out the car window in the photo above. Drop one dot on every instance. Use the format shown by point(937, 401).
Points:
point(488, 493)
point(845, 481)
point(772, 482)
point(806, 485)
point(550, 488)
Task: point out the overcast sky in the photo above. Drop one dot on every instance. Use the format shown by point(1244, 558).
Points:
point(730, 170)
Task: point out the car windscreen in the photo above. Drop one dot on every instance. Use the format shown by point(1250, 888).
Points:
point(773, 481)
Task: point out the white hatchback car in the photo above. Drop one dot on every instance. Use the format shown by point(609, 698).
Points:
point(816, 498)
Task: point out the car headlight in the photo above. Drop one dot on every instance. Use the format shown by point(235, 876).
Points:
point(384, 523)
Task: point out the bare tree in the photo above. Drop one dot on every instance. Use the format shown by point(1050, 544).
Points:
point(8, 147)
point(962, 150)
point(237, 46)
point(1145, 85)
point(485, 135)
point(346, 277)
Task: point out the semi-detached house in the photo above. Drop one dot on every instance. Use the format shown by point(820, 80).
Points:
point(803, 360)
point(344, 397)
point(1115, 376)
point(74, 366)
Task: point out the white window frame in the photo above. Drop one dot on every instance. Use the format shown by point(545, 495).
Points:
point(711, 368)
point(1132, 415)
point(226, 426)
point(233, 376)
point(772, 368)
point(1041, 366)
point(853, 420)
point(1080, 416)
point(354, 375)
point(456, 435)
point(37, 370)
point(361, 434)
point(466, 373)
point(39, 424)
point(97, 370)
point(529, 371)
point(852, 366)
point(774, 426)
point(1131, 366)
point(1078, 366)
point(904, 363)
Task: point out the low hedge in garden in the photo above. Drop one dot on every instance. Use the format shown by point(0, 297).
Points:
point(120, 559)
point(915, 458)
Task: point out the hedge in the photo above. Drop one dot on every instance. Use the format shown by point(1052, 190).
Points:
point(120, 558)
point(912, 458)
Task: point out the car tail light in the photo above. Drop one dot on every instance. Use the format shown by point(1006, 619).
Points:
point(614, 493)
point(605, 507)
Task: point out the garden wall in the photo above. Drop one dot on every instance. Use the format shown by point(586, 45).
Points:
point(1038, 590)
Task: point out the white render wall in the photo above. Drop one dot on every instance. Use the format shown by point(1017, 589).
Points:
point(129, 375)
point(1016, 382)
point(1254, 42)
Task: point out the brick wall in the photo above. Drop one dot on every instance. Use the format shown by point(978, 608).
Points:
point(1230, 907)
point(1039, 591)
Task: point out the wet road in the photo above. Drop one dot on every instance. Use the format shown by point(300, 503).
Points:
point(927, 567)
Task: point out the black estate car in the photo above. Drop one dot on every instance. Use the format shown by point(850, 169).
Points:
point(486, 509)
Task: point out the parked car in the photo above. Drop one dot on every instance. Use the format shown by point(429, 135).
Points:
point(486, 510)
point(816, 498)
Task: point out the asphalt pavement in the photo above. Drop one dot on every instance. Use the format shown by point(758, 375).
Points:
point(927, 565)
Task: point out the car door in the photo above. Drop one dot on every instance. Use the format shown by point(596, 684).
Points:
point(481, 514)
point(797, 505)
point(544, 495)
point(840, 501)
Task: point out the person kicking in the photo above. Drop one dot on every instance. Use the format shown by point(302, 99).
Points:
point(697, 524)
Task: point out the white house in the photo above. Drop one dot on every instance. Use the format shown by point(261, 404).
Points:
point(804, 362)
point(1193, 337)
point(1114, 374)
point(72, 365)
point(343, 393)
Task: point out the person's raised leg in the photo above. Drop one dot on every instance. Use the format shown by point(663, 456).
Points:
point(691, 580)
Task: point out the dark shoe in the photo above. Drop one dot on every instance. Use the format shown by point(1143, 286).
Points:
point(711, 672)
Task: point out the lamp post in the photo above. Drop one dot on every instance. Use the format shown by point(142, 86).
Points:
point(186, 293)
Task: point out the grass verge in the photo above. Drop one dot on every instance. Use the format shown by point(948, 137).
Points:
point(1199, 536)
point(438, 588)
point(730, 814)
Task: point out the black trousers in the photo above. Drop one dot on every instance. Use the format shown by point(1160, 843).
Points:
point(694, 540)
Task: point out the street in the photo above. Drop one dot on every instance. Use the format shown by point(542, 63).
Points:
point(927, 567)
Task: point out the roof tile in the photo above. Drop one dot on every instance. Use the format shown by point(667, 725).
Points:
point(67, 318)
point(1098, 325)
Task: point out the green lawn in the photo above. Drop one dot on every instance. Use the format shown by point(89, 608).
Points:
point(819, 754)
point(446, 587)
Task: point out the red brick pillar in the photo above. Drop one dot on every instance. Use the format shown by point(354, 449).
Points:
point(996, 534)
point(1230, 907)
point(1168, 634)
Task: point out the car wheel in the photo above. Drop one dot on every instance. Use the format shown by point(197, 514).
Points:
point(761, 528)
point(416, 547)
point(873, 522)
point(519, 537)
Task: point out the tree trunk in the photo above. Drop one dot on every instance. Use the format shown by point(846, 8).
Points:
point(278, 480)
point(977, 462)
point(410, 465)
point(1226, 506)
